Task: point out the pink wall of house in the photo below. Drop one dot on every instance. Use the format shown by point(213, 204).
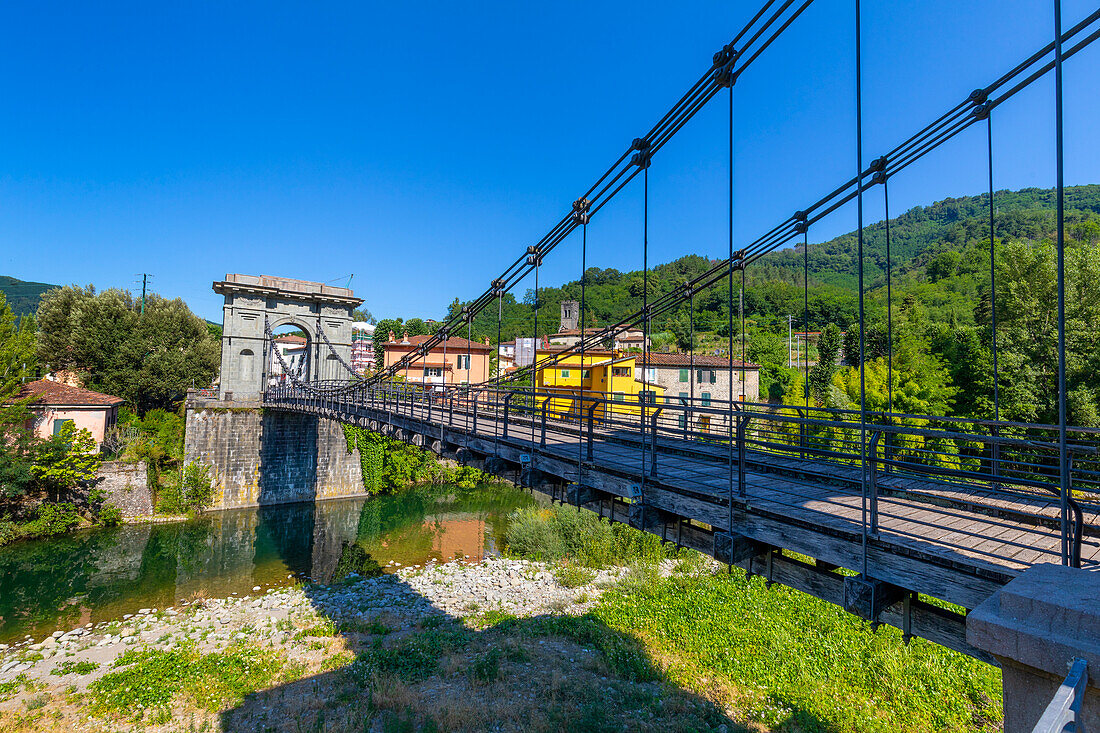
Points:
point(96, 420)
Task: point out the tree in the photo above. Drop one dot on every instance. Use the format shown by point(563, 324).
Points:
point(18, 359)
point(149, 359)
point(362, 315)
point(65, 460)
point(821, 374)
point(17, 362)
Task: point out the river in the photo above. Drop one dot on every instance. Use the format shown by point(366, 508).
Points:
point(101, 574)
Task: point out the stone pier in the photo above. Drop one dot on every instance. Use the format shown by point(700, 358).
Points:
point(259, 458)
point(1035, 626)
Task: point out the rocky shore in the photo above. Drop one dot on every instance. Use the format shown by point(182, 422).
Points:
point(280, 618)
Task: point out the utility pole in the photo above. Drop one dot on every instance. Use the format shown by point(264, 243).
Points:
point(790, 342)
point(144, 283)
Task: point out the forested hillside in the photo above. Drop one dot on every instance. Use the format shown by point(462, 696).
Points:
point(22, 296)
point(941, 315)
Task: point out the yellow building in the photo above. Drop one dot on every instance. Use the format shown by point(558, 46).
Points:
point(603, 375)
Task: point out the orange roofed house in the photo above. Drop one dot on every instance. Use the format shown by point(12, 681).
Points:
point(55, 403)
point(458, 361)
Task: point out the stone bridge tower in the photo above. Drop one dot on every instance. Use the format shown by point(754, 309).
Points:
point(249, 299)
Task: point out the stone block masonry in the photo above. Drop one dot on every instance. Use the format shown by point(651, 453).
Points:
point(259, 457)
point(127, 487)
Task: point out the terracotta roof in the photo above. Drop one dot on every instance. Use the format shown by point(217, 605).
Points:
point(290, 338)
point(455, 343)
point(658, 359)
point(46, 392)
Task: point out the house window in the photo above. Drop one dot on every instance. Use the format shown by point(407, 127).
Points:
point(705, 376)
point(59, 425)
point(706, 399)
point(685, 375)
point(648, 395)
point(565, 374)
point(620, 371)
point(681, 420)
point(463, 361)
point(433, 371)
point(619, 396)
point(651, 374)
point(586, 374)
point(683, 398)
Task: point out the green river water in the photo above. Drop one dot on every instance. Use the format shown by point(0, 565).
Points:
point(102, 574)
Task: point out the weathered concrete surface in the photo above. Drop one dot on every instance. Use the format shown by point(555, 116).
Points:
point(127, 487)
point(259, 458)
point(1035, 626)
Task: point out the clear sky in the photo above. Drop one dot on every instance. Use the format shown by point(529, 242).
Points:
point(421, 146)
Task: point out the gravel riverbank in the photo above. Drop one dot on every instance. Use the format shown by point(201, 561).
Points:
point(283, 620)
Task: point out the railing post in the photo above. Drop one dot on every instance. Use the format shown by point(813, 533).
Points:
point(507, 407)
point(742, 424)
point(542, 427)
point(653, 443)
point(872, 483)
point(474, 429)
point(591, 425)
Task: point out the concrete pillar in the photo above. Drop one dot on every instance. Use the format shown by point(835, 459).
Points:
point(1035, 626)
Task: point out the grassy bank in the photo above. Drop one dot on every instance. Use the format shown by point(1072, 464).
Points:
point(773, 656)
point(670, 642)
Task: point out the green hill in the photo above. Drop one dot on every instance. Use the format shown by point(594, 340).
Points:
point(936, 250)
point(23, 296)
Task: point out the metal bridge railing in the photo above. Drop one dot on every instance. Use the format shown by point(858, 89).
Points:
point(810, 460)
point(1063, 714)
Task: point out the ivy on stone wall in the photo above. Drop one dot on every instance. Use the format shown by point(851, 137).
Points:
point(390, 464)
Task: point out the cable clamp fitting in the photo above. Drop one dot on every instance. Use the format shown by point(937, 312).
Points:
point(723, 65)
point(977, 97)
point(982, 111)
point(580, 211)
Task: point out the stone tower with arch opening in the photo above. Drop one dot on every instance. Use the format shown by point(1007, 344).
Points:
point(250, 300)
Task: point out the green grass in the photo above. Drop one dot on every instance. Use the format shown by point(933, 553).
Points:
point(71, 667)
point(152, 679)
point(792, 660)
point(572, 576)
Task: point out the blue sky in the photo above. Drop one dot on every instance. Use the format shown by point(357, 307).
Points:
point(421, 146)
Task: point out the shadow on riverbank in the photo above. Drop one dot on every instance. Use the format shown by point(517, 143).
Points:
point(405, 665)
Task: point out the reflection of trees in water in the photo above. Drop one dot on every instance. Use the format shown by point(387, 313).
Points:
point(59, 582)
point(45, 581)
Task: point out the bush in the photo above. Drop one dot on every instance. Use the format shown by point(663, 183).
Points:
point(198, 491)
point(109, 515)
point(190, 490)
point(582, 537)
point(53, 519)
point(574, 576)
point(530, 534)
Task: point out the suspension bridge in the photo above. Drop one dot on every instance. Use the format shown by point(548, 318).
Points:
point(906, 519)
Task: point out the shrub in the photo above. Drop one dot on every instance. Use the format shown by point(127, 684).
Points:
point(52, 519)
point(198, 492)
point(564, 532)
point(531, 535)
point(109, 515)
point(574, 576)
